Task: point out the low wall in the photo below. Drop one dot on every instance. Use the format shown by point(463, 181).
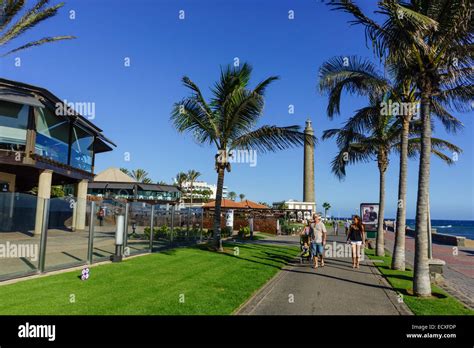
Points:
point(440, 238)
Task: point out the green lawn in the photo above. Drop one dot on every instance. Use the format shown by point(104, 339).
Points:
point(208, 282)
point(441, 303)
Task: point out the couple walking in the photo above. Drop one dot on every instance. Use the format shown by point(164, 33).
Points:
point(316, 235)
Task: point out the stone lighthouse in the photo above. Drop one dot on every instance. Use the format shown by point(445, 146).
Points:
point(308, 174)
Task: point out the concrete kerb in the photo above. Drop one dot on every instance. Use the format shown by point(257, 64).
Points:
point(401, 307)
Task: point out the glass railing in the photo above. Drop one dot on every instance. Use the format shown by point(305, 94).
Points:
point(162, 221)
point(105, 216)
point(19, 244)
point(67, 233)
point(41, 235)
point(139, 220)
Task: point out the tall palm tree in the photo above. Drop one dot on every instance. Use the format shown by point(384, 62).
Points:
point(191, 176)
point(11, 29)
point(229, 121)
point(326, 207)
point(360, 77)
point(241, 196)
point(432, 42)
point(232, 195)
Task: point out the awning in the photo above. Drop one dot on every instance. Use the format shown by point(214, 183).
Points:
point(157, 188)
point(120, 186)
point(12, 96)
point(97, 185)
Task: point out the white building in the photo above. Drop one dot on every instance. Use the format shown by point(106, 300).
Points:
point(307, 209)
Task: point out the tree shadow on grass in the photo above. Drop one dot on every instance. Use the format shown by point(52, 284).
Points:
point(272, 254)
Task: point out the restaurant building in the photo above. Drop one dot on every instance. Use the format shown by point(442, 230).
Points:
point(44, 142)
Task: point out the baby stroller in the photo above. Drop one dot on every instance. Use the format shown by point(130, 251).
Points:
point(305, 254)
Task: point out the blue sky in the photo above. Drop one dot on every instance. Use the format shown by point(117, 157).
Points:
point(133, 104)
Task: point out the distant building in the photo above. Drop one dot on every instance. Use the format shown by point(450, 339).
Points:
point(302, 210)
point(113, 183)
point(202, 192)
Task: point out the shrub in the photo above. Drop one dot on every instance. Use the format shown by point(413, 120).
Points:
point(226, 232)
point(244, 232)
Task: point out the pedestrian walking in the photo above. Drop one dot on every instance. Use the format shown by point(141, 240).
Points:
point(356, 238)
point(335, 227)
point(347, 224)
point(100, 216)
point(318, 240)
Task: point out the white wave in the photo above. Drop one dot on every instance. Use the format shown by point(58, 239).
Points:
point(448, 226)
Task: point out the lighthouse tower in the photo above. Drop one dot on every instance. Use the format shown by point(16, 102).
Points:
point(308, 168)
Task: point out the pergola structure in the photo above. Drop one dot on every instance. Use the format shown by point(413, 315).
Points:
point(44, 142)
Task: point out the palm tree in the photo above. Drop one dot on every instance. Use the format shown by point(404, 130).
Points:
point(179, 181)
point(372, 135)
point(229, 120)
point(241, 196)
point(140, 175)
point(432, 42)
point(232, 195)
point(326, 207)
point(360, 77)
point(31, 17)
point(125, 171)
point(191, 177)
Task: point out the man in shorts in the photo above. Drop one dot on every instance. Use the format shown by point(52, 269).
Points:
point(318, 240)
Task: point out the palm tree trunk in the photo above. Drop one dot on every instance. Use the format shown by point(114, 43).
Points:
point(421, 277)
point(217, 211)
point(190, 205)
point(380, 237)
point(398, 261)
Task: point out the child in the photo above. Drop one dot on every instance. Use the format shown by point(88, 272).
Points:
point(305, 250)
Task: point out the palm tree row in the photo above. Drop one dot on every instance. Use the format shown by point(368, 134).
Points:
point(390, 127)
point(426, 47)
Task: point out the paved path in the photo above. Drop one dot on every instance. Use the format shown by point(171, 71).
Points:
point(458, 272)
point(334, 289)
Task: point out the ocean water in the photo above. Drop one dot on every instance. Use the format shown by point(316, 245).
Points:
point(461, 228)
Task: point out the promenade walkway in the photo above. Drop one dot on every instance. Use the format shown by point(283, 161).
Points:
point(458, 272)
point(334, 289)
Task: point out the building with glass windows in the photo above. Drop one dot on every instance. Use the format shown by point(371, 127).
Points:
point(112, 183)
point(44, 142)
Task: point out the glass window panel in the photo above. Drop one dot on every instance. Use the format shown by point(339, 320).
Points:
point(81, 149)
point(52, 136)
point(13, 124)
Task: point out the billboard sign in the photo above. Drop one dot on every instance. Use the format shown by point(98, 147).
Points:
point(369, 213)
